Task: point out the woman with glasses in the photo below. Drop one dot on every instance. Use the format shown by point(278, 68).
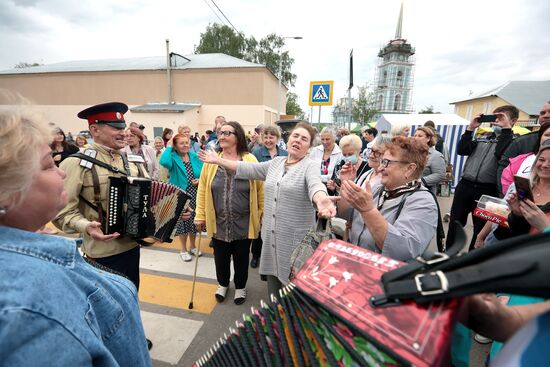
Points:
point(231, 209)
point(398, 217)
point(436, 169)
point(373, 175)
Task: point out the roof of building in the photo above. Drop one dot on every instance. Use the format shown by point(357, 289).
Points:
point(165, 107)
point(414, 119)
point(528, 96)
point(198, 61)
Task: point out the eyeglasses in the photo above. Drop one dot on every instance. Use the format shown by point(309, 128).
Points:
point(227, 133)
point(385, 162)
point(375, 153)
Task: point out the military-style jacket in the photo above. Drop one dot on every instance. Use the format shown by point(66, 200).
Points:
point(78, 214)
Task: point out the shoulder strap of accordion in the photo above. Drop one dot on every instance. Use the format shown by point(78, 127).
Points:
point(102, 164)
point(127, 165)
point(97, 195)
point(125, 161)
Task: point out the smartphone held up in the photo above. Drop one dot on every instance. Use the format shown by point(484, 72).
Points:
point(487, 118)
point(523, 188)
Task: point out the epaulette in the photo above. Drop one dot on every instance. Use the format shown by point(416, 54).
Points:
point(91, 153)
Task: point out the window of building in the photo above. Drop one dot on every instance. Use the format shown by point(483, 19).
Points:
point(380, 102)
point(397, 103)
point(400, 78)
point(487, 108)
point(469, 110)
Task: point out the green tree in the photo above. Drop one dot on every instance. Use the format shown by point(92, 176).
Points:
point(428, 109)
point(223, 39)
point(268, 52)
point(364, 106)
point(292, 106)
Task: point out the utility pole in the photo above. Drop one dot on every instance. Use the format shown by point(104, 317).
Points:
point(281, 75)
point(168, 71)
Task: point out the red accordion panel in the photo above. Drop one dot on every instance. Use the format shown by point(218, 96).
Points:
point(343, 277)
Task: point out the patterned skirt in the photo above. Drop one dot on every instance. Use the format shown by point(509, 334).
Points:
point(188, 226)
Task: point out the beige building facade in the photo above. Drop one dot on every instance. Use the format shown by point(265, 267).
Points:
point(202, 87)
point(527, 96)
point(486, 105)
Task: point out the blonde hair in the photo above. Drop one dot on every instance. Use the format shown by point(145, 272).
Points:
point(181, 127)
point(352, 140)
point(22, 131)
point(397, 129)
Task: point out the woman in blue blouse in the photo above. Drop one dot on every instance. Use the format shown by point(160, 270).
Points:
point(184, 167)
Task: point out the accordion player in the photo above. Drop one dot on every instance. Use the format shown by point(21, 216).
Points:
point(138, 208)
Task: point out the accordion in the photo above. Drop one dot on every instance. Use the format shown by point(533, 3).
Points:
point(324, 318)
point(139, 208)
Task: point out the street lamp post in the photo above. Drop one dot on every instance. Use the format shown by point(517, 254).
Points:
point(281, 75)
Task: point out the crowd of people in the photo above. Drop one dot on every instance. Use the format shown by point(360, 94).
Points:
point(251, 193)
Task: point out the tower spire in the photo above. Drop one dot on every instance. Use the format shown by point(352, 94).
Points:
point(399, 23)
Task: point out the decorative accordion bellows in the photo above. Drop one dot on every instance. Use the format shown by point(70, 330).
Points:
point(324, 318)
point(139, 208)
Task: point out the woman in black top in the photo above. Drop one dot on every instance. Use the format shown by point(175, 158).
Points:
point(60, 148)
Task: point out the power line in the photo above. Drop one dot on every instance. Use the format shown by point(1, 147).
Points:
point(235, 29)
point(216, 14)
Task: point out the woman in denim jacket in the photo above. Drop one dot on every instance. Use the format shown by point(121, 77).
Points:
point(55, 309)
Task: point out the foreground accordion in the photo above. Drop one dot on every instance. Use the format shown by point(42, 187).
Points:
point(324, 318)
point(139, 208)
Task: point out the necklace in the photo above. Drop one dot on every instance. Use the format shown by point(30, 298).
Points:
point(537, 191)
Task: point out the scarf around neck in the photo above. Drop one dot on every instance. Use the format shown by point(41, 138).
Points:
point(398, 191)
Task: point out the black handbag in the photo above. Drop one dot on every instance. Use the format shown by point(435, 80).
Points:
point(518, 265)
point(308, 245)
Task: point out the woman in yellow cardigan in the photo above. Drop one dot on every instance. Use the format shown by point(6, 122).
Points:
point(231, 210)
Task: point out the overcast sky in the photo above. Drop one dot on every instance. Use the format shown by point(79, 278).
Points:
point(461, 46)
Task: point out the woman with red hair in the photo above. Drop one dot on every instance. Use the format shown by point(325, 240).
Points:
point(398, 217)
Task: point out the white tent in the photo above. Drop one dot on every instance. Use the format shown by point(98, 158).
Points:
point(448, 125)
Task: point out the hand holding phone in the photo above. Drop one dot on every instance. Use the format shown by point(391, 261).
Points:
point(474, 124)
point(523, 188)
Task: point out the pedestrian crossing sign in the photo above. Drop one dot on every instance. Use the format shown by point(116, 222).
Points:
point(320, 93)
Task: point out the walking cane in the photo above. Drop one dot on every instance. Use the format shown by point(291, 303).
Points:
point(195, 272)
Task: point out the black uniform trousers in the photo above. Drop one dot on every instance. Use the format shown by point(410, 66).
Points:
point(126, 263)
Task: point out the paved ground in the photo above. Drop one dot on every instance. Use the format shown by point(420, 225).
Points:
point(181, 335)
